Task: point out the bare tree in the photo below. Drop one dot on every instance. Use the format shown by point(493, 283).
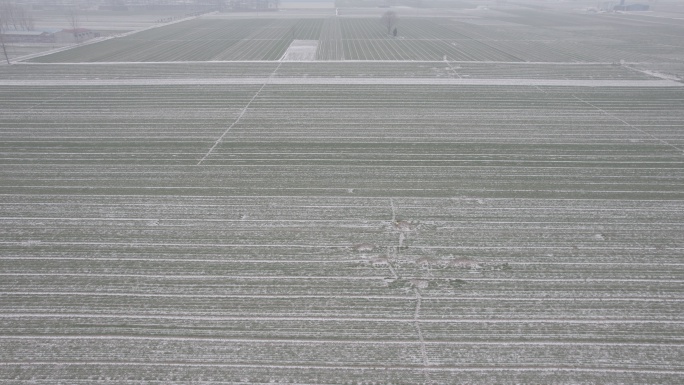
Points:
point(73, 19)
point(7, 15)
point(389, 19)
point(15, 17)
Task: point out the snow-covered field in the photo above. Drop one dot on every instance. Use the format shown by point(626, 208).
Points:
point(341, 222)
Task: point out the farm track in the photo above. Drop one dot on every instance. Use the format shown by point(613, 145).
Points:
point(342, 221)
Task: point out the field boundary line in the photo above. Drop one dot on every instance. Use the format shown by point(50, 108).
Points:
point(200, 276)
point(334, 341)
point(411, 320)
point(329, 246)
point(387, 81)
point(242, 113)
point(523, 63)
point(329, 197)
point(328, 277)
point(333, 296)
point(403, 368)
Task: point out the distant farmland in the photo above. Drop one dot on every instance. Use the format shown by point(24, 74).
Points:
point(509, 39)
point(513, 214)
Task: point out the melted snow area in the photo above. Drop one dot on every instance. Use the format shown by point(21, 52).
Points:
point(301, 50)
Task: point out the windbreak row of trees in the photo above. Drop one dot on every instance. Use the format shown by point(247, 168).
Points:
point(14, 17)
point(389, 19)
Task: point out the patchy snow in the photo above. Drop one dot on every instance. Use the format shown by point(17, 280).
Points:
point(301, 50)
point(658, 74)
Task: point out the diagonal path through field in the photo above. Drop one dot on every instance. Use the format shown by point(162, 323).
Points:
point(242, 113)
point(627, 124)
